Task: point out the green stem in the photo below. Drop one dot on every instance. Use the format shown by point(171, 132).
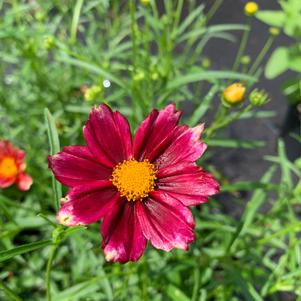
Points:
point(48, 270)
point(261, 55)
point(134, 56)
point(222, 121)
point(243, 45)
point(213, 9)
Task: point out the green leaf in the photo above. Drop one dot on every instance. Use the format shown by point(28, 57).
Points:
point(223, 142)
point(182, 80)
point(54, 148)
point(252, 207)
point(93, 68)
point(278, 63)
point(202, 107)
point(245, 186)
point(176, 294)
point(75, 19)
point(243, 285)
point(286, 176)
point(7, 254)
point(272, 18)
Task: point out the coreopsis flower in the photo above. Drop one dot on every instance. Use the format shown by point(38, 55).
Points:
point(141, 187)
point(12, 167)
point(234, 94)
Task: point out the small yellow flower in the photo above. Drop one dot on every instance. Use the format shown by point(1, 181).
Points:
point(251, 8)
point(234, 94)
point(145, 2)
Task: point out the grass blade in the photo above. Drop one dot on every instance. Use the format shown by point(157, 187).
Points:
point(8, 254)
point(54, 148)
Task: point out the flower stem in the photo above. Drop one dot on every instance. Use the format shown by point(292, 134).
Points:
point(48, 270)
point(261, 55)
point(213, 9)
point(243, 45)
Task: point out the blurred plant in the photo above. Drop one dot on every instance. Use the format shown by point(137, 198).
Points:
point(287, 19)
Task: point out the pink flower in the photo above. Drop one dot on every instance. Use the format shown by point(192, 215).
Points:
point(12, 167)
point(141, 187)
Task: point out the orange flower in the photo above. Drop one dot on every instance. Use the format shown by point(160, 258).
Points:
point(12, 167)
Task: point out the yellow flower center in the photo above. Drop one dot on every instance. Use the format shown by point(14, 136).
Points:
point(133, 179)
point(8, 167)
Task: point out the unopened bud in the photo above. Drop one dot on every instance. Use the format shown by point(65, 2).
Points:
point(234, 94)
point(259, 97)
point(251, 8)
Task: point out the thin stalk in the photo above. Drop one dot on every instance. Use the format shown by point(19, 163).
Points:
point(222, 121)
point(243, 45)
point(134, 57)
point(196, 285)
point(261, 55)
point(48, 270)
point(216, 5)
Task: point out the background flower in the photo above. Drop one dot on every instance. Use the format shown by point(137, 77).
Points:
point(12, 166)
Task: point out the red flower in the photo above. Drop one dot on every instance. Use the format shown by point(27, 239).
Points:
point(140, 188)
point(12, 167)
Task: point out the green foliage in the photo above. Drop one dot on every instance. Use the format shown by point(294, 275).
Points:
point(288, 19)
point(138, 58)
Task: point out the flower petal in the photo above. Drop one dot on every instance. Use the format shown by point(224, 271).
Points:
point(6, 182)
point(75, 166)
point(190, 185)
point(108, 136)
point(24, 181)
point(123, 239)
point(186, 147)
point(166, 222)
point(155, 133)
point(87, 203)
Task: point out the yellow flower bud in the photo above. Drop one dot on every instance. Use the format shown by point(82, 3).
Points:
point(234, 94)
point(145, 2)
point(92, 92)
point(251, 8)
point(274, 31)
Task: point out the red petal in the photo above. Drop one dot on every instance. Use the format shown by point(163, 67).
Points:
point(155, 133)
point(186, 147)
point(24, 181)
point(6, 182)
point(75, 166)
point(87, 203)
point(166, 222)
point(190, 185)
point(108, 136)
point(123, 240)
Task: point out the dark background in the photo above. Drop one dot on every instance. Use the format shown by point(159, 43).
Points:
point(242, 164)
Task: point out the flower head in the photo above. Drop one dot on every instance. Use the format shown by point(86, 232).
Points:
point(141, 187)
point(12, 167)
point(234, 94)
point(251, 8)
